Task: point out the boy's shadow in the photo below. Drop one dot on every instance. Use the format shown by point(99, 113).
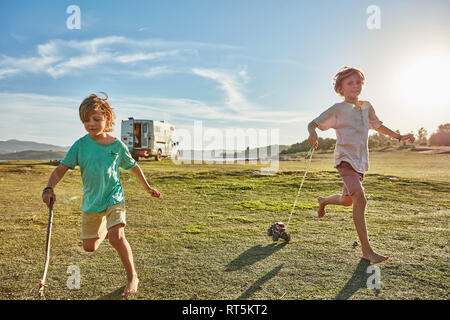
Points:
point(253, 255)
point(257, 285)
point(356, 282)
point(114, 295)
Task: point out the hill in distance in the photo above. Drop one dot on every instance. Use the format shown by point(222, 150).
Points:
point(17, 146)
point(33, 155)
point(29, 150)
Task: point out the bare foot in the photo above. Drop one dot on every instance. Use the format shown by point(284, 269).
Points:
point(321, 212)
point(131, 287)
point(375, 257)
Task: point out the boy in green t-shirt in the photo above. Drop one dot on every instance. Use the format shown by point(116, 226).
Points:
point(99, 156)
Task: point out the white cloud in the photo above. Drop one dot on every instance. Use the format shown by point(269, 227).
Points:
point(132, 58)
point(34, 117)
point(77, 63)
point(55, 119)
point(231, 84)
point(59, 57)
point(19, 38)
point(189, 110)
point(145, 56)
point(6, 72)
point(34, 64)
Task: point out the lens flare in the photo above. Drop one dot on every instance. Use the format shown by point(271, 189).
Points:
point(424, 82)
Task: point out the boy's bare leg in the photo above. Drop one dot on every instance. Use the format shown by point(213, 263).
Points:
point(338, 199)
point(116, 237)
point(359, 218)
point(90, 245)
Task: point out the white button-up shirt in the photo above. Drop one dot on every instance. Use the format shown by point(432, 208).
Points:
point(352, 126)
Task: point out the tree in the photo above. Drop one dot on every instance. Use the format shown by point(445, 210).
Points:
point(373, 142)
point(422, 135)
point(441, 137)
point(444, 128)
point(396, 141)
point(378, 140)
point(324, 145)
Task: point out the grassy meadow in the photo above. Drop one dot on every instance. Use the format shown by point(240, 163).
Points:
point(206, 238)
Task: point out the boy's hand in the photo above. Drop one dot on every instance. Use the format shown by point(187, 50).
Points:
point(154, 193)
point(409, 137)
point(48, 196)
point(313, 140)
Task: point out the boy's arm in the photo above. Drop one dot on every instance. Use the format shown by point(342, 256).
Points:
point(48, 195)
point(313, 138)
point(137, 171)
point(324, 121)
point(384, 130)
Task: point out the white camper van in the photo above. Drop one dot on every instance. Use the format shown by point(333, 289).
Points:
point(150, 138)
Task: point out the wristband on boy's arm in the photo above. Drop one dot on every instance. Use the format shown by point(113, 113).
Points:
point(46, 190)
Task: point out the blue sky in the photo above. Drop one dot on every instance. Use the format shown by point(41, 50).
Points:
point(266, 65)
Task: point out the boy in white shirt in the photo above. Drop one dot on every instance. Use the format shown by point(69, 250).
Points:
point(351, 120)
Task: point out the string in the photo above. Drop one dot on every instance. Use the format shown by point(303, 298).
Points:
point(301, 185)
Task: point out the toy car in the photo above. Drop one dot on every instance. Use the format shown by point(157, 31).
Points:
point(278, 230)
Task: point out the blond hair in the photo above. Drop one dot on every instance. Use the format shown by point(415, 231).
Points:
point(95, 103)
point(343, 73)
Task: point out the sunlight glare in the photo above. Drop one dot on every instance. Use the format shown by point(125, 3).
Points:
point(424, 82)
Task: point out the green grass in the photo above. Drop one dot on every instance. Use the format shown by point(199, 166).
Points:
point(206, 237)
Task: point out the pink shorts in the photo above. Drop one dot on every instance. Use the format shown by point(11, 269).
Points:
point(352, 179)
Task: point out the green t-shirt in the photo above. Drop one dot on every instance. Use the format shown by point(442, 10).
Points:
point(99, 166)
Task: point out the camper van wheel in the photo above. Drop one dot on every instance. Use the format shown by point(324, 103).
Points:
point(158, 155)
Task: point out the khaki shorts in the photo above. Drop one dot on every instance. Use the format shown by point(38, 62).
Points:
point(94, 225)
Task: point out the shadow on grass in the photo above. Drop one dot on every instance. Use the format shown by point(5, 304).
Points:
point(253, 255)
point(114, 295)
point(257, 285)
point(356, 282)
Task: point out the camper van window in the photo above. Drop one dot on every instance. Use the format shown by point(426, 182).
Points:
point(145, 128)
point(172, 129)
